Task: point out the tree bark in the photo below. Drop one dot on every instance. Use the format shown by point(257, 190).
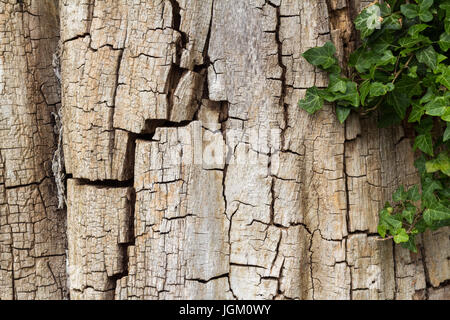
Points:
point(190, 171)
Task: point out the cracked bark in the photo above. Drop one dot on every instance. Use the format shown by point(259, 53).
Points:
point(192, 172)
point(32, 229)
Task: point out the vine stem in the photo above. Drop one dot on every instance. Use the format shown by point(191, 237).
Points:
point(408, 232)
point(403, 68)
point(393, 80)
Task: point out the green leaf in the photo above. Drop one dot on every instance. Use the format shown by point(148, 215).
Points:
point(410, 10)
point(447, 133)
point(390, 222)
point(410, 244)
point(383, 42)
point(444, 77)
point(417, 112)
point(425, 126)
point(421, 225)
point(409, 212)
point(321, 56)
point(413, 193)
point(364, 89)
point(337, 84)
point(428, 96)
point(351, 95)
point(379, 89)
point(430, 185)
point(440, 163)
point(424, 143)
point(359, 60)
point(440, 58)
point(400, 102)
point(409, 86)
point(401, 236)
point(415, 29)
point(436, 214)
point(392, 22)
point(342, 113)
point(408, 42)
point(424, 13)
point(368, 20)
point(444, 41)
point(399, 194)
point(382, 230)
point(428, 56)
point(312, 101)
point(436, 107)
point(446, 116)
point(412, 72)
point(386, 58)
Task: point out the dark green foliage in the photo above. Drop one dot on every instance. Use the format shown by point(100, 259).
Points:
point(403, 71)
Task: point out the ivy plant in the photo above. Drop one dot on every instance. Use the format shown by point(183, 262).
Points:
point(401, 71)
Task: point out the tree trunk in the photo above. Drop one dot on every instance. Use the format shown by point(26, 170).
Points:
point(190, 172)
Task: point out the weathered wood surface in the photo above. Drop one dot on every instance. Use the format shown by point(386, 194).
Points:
point(194, 175)
point(32, 229)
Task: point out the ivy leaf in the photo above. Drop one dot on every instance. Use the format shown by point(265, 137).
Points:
point(446, 115)
point(378, 89)
point(321, 56)
point(399, 194)
point(337, 84)
point(386, 58)
point(362, 60)
point(390, 222)
point(435, 214)
point(409, 212)
point(392, 22)
point(421, 225)
point(425, 126)
point(410, 10)
point(408, 42)
point(436, 107)
point(428, 96)
point(401, 236)
point(428, 56)
point(447, 133)
point(312, 101)
point(415, 29)
point(429, 185)
point(368, 20)
point(444, 41)
point(410, 244)
point(413, 193)
point(383, 42)
point(424, 10)
point(351, 94)
point(444, 77)
point(446, 7)
point(417, 112)
point(412, 72)
point(342, 113)
point(440, 163)
point(382, 230)
point(400, 102)
point(424, 143)
point(364, 89)
point(409, 86)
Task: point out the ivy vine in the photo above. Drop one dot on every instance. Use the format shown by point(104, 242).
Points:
point(401, 71)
